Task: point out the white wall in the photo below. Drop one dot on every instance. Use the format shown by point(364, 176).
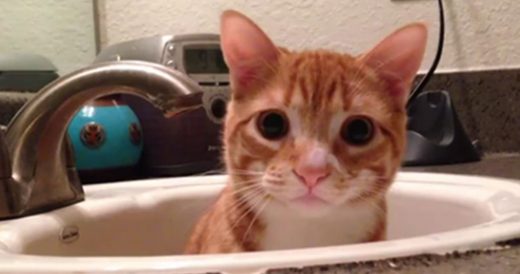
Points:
point(61, 30)
point(482, 34)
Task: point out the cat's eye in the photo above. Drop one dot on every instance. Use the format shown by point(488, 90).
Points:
point(357, 131)
point(272, 124)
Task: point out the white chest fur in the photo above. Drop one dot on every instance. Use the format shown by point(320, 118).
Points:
point(285, 229)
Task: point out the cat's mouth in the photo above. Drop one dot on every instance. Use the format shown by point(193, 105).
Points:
point(310, 205)
point(310, 199)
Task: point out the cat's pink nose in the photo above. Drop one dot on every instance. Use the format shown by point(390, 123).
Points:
point(311, 176)
point(312, 167)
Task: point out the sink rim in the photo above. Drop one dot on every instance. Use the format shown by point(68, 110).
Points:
point(440, 243)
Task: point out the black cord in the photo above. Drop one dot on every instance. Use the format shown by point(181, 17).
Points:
point(420, 87)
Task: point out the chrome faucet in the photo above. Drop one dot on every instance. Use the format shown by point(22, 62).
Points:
point(37, 171)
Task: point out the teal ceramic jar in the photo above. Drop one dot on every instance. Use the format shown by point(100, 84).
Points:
point(106, 138)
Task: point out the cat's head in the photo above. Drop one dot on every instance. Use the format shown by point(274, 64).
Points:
point(316, 130)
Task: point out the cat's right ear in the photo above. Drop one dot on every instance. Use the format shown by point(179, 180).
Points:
point(398, 57)
point(248, 52)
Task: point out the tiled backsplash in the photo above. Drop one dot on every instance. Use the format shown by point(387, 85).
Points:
point(487, 102)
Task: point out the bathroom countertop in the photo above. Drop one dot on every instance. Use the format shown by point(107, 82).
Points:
point(505, 165)
point(503, 259)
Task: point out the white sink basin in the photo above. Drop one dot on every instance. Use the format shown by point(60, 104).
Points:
point(142, 226)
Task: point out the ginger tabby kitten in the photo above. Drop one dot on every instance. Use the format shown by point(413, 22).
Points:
point(313, 140)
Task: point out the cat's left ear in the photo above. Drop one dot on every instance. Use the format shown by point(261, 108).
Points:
point(397, 59)
point(249, 53)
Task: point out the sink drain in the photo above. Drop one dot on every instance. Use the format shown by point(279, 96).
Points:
point(69, 234)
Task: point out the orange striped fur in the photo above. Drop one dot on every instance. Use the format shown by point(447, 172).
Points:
point(318, 91)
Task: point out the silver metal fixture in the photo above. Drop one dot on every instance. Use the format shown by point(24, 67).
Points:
point(37, 172)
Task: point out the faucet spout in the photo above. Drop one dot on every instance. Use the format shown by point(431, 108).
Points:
point(43, 175)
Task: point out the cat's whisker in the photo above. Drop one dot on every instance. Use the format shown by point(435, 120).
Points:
point(248, 182)
point(238, 202)
point(244, 171)
point(256, 179)
point(243, 200)
point(275, 177)
point(241, 191)
point(246, 189)
point(274, 180)
point(274, 184)
point(247, 170)
point(255, 217)
point(239, 174)
point(250, 209)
